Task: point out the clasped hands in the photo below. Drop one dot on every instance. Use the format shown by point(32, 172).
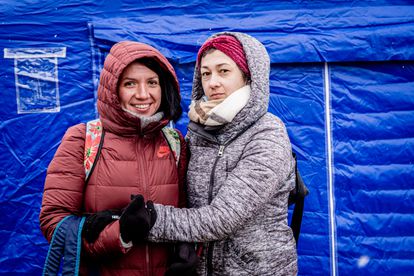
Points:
point(135, 221)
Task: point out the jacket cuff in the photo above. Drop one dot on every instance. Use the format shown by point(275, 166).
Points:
point(108, 243)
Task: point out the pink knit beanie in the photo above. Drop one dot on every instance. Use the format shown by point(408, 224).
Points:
point(230, 46)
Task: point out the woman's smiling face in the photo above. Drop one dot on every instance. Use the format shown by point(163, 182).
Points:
point(139, 90)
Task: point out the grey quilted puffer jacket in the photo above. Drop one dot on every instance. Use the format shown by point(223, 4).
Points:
point(238, 185)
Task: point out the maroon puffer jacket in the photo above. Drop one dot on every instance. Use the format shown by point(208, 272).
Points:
point(132, 161)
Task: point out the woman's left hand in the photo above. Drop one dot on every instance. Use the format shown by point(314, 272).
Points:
point(95, 223)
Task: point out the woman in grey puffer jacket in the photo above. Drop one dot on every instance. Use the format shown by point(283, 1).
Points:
point(241, 168)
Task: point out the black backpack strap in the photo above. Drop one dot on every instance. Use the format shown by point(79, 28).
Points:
point(301, 192)
point(297, 218)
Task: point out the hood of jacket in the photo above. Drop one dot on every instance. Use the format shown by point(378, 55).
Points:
point(113, 117)
point(259, 66)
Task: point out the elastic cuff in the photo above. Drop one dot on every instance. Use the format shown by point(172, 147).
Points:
point(125, 245)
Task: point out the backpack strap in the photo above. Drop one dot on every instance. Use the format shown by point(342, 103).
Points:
point(94, 140)
point(301, 191)
point(93, 145)
point(297, 215)
point(65, 245)
point(173, 139)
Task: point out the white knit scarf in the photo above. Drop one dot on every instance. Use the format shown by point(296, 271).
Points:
point(219, 112)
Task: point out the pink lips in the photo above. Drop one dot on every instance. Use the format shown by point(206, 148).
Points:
point(217, 96)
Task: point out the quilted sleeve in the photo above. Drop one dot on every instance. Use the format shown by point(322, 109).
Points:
point(64, 185)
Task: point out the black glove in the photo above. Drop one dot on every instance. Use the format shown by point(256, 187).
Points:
point(137, 220)
point(184, 261)
point(95, 223)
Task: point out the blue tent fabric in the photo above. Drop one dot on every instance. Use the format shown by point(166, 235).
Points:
point(373, 134)
point(341, 34)
point(342, 75)
point(301, 101)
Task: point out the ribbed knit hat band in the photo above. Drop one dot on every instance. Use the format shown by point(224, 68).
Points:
point(230, 46)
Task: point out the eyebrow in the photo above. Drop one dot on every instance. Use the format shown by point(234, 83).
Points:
point(218, 65)
point(151, 78)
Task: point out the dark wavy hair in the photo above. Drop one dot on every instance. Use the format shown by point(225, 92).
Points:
point(170, 97)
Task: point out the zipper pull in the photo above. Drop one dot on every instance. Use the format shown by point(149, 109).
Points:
point(221, 150)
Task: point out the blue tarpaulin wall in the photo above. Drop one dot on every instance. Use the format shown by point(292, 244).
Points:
point(342, 79)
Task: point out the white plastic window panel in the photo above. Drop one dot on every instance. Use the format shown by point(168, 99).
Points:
point(36, 78)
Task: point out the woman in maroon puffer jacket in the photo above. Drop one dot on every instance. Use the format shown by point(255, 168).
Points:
point(138, 94)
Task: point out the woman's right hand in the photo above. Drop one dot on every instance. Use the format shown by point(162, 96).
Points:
point(137, 220)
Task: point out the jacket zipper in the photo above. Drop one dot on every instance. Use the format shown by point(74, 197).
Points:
point(213, 170)
point(145, 194)
point(147, 258)
point(210, 245)
point(144, 171)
